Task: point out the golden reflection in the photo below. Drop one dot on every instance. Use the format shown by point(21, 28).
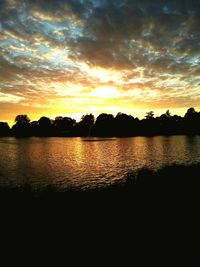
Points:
point(75, 161)
point(77, 151)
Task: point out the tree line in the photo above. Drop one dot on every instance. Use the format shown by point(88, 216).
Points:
point(106, 125)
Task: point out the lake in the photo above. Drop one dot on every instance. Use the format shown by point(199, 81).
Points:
point(88, 162)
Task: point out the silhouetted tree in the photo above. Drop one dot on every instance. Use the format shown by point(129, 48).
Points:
point(64, 125)
point(34, 128)
point(166, 115)
point(192, 121)
point(45, 127)
point(23, 119)
point(87, 119)
point(165, 123)
point(4, 129)
point(125, 125)
point(149, 126)
point(84, 127)
point(104, 125)
point(149, 115)
point(21, 127)
point(190, 113)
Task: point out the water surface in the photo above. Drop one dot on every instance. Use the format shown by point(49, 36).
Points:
point(88, 162)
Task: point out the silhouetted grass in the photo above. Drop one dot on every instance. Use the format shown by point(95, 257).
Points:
point(168, 176)
point(168, 179)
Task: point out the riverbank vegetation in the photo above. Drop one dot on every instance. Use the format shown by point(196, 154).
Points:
point(106, 125)
point(166, 181)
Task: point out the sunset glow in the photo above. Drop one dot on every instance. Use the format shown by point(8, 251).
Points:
point(72, 57)
point(106, 92)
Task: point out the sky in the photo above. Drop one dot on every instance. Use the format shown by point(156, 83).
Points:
point(72, 57)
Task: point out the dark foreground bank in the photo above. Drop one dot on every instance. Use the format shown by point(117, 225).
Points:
point(147, 202)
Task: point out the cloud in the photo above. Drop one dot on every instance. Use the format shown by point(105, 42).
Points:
point(9, 98)
point(147, 50)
